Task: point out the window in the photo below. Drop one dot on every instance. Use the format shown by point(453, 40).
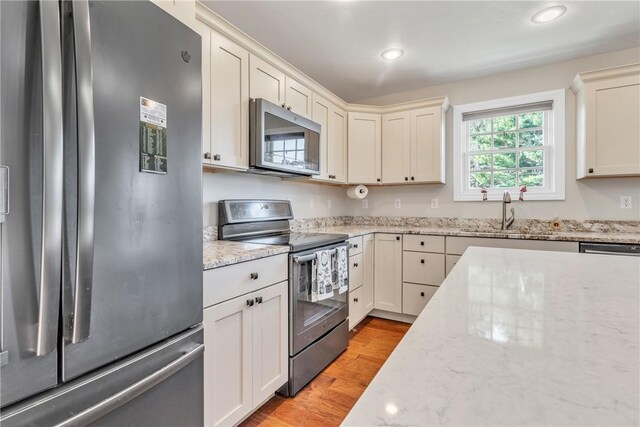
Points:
point(508, 143)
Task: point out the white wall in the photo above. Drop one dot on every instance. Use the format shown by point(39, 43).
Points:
point(585, 199)
point(230, 185)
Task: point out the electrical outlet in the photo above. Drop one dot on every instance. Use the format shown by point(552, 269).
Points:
point(329, 204)
point(312, 204)
point(365, 204)
point(434, 203)
point(625, 202)
point(397, 204)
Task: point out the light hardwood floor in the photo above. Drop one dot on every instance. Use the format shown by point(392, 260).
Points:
point(327, 400)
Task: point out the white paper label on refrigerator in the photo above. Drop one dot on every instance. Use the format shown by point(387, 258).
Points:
point(153, 136)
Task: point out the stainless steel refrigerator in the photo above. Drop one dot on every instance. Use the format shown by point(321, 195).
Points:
point(100, 215)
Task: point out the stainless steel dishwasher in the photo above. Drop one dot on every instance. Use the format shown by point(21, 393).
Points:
point(610, 249)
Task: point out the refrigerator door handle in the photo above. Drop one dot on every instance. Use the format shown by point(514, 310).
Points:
point(113, 402)
point(4, 189)
point(81, 323)
point(50, 269)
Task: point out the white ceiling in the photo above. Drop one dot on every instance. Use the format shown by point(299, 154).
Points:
point(338, 43)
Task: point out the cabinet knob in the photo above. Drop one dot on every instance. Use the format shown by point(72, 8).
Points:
point(355, 300)
point(590, 170)
point(250, 303)
point(289, 107)
point(355, 245)
point(406, 178)
point(397, 237)
point(421, 261)
point(283, 105)
point(413, 178)
point(217, 157)
point(355, 264)
point(421, 294)
point(421, 243)
point(207, 156)
point(259, 300)
point(254, 276)
point(378, 179)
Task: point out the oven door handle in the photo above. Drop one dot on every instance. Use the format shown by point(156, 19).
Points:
point(304, 258)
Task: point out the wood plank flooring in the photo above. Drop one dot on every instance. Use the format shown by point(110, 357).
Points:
point(327, 400)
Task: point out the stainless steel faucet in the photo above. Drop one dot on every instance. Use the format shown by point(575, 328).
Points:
point(506, 222)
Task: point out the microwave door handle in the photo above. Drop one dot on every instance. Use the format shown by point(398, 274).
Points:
point(51, 264)
point(86, 172)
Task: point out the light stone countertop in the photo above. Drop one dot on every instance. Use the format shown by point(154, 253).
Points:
point(219, 253)
point(518, 337)
point(567, 236)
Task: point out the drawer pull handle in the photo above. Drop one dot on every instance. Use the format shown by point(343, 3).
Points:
point(421, 294)
point(259, 300)
point(254, 276)
point(355, 246)
point(250, 302)
point(421, 261)
point(355, 264)
point(355, 300)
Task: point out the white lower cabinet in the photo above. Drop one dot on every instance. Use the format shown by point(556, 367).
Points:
point(388, 273)
point(415, 297)
point(355, 272)
point(360, 278)
point(245, 361)
point(356, 307)
point(368, 256)
point(423, 268)
point(451, 262)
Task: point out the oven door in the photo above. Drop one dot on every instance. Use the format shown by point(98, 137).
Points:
point(309, 320)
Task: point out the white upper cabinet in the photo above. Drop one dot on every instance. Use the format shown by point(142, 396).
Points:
point(364, 148)
point(333, 138)
point(427, 145)
point(225, 100)
point(608, 134)
point(266, 81)
point(297, 97)
point(184, 11)
point(396, 148)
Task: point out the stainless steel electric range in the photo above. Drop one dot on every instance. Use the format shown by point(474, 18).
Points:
point(318, 328)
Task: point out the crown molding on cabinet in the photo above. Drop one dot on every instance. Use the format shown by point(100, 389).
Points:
point(232, 32)
point(604, 74)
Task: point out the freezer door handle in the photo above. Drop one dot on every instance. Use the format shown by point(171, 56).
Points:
point(81, 323)
point(113, 402)
point(4, 188)
point(50, 268)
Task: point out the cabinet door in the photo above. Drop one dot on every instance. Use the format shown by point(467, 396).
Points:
point(298, 97)
point(227, 362)
point(321, 113)
point(355, 308)
point(205, 32)
point(388, 272)
point(451, 262)
point(427, 145)
point(265, 81)
point(367, 273)
point(364, 148)
point(270, 341)
point(613, 134)
point(229, 103)
point(396, 148)
point(337, 145)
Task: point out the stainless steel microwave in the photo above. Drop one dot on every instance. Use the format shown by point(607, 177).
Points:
point(282, 142)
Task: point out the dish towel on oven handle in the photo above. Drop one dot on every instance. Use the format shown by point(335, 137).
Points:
point(342, 284)
point(324, 287)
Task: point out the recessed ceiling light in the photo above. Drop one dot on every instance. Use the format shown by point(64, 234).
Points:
point(549, 14)
point(391, 54)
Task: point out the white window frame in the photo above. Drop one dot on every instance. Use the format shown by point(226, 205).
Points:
point(554, 149)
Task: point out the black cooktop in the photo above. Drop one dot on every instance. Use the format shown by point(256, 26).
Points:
point(300, 241)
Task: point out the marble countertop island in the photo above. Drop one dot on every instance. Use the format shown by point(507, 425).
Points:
point(514, 338)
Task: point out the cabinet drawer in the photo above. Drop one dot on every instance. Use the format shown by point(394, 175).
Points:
point(224, 283)
point(415, 297)
point(355, 271)
point(423, 268)
point(356, 245)
point(450, 262)
point(415, 242)
point(355, 307)
point(457, 245)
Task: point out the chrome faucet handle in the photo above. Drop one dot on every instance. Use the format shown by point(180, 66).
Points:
point(506, 198)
